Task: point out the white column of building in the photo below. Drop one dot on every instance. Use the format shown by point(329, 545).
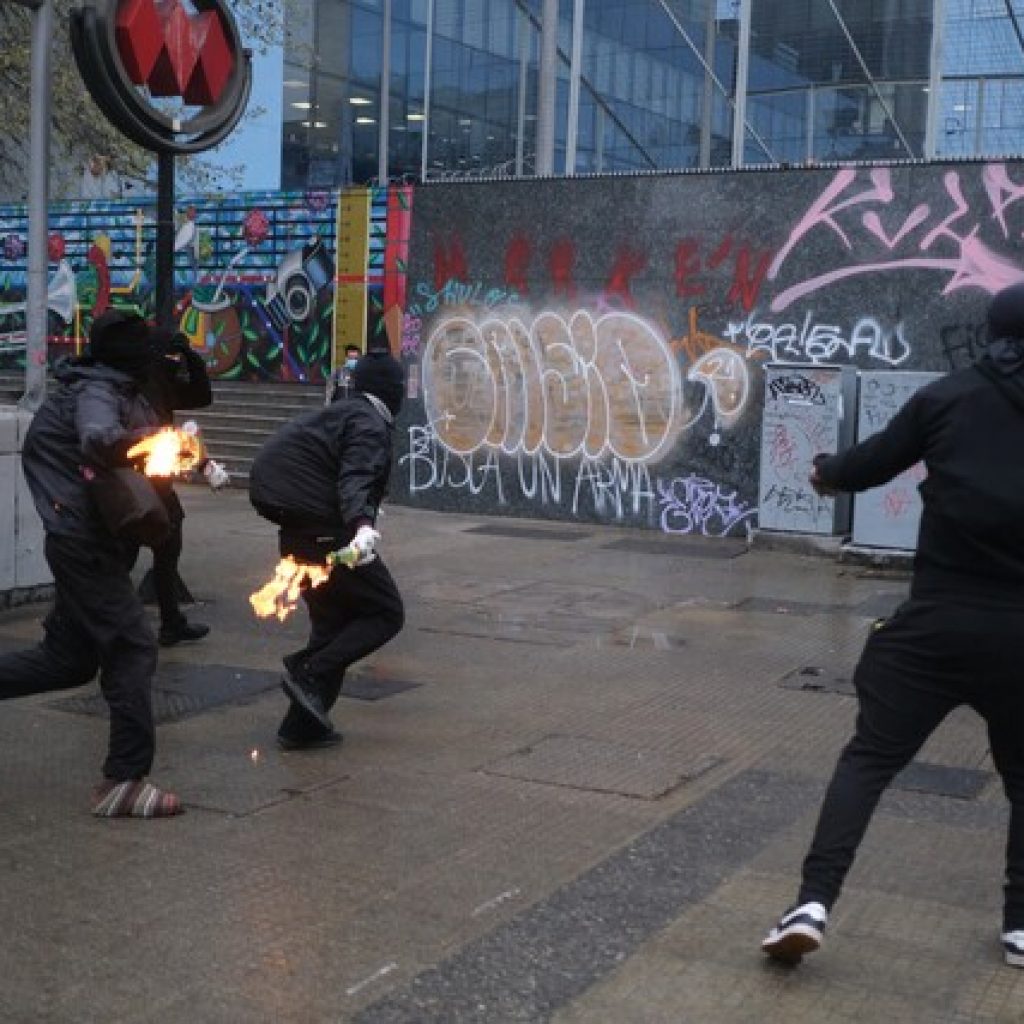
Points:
point(428, 69)
point(384, 121)
point(546, 88)
point(931, 126)
point(739, 116)
point(524, 41)
point(575, 60)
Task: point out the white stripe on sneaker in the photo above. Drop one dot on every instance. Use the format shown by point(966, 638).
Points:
point(1013, 947)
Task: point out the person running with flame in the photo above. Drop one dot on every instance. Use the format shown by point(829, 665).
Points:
point(322, 478)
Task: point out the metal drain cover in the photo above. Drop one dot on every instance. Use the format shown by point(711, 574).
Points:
point(578, 762)
point(942, 780)
point(181, 690)
point(368, 686)
point(527, 532)
point(813, 679)
point(679, 547)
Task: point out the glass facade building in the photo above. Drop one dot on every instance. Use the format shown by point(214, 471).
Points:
point(426, 89)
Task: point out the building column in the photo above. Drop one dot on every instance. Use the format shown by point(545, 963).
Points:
point(931, 126)
point(573, 127)
point(739, 116)
point(384, 121)
point(546, 91)
point(428, 71)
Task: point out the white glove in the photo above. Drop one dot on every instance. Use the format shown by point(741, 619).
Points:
point(364, 544)
point(216, 475)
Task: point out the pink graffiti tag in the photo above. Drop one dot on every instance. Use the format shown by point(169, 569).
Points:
point(972, 265)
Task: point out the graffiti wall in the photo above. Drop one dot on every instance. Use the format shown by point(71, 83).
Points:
point(595, 349)
point(254, 278)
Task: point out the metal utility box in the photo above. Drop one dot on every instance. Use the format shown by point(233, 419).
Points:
point(22, 562)
point(807, 409)
point(888, 516)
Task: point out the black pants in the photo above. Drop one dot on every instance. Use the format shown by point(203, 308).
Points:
point(165, 576)
point(97, 622)
point(351, 615)
point(930, 658)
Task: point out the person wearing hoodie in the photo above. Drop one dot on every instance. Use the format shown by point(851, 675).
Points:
point(322, 478)
point(956, 641)
point(177, 380)
point(92, 417)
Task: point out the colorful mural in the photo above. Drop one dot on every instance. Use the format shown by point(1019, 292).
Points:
point(254, 278)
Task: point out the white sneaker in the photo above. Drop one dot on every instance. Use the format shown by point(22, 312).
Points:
point(799, 932)
point(1013, 948)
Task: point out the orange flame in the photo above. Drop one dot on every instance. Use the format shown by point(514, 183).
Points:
point(281, 595)
point(168, 452)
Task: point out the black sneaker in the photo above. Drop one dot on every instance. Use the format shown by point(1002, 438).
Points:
point(314, 742)
point(1013, 947)
point(306, 694)
point(798, 932)
point(181, 631)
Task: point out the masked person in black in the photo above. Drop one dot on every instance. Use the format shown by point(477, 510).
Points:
point(322, 478)
point(91, 419)
point(956, 641)
point(177, 380)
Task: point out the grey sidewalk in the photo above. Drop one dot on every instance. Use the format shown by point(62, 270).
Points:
point(575, 789)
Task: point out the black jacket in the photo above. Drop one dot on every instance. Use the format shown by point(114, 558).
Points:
point(968, 428)
point(325, 471)
point(91, 419)
point(174, 384)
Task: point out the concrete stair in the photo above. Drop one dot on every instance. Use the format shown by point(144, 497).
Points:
point(243, 415)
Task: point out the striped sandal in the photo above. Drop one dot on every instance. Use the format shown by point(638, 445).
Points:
point(134, 798)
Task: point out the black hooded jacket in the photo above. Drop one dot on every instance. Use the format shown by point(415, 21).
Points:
point(968, 428)
point(327, 471)
point(91, 418)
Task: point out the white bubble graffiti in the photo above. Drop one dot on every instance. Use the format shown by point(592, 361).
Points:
point(581, 386)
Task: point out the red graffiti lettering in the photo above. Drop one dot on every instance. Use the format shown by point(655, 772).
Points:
point(628, 264)
point(718, 257)
point(517, 261)
point(687, 266)
point(747, 281)
point(449, 263)
point(563, 256)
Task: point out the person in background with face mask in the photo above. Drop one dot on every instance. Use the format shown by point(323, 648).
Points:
point(340, 383)
point(322, 478)
point(177, 380)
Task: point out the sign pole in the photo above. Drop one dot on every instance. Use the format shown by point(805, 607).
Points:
point(165, 239)
point(36, 310)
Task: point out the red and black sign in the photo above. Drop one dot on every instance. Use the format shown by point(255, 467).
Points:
point(131, 52)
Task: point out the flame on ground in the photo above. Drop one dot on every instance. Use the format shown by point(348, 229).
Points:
point(169, 452)
point(281, 595)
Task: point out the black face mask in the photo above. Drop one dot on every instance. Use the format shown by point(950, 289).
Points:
point(1006, 355)
point(381, 375)
point(121, 341)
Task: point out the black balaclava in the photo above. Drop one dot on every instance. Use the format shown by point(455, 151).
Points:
point(1005, 349)
point(121, 341)
point(378, 373)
